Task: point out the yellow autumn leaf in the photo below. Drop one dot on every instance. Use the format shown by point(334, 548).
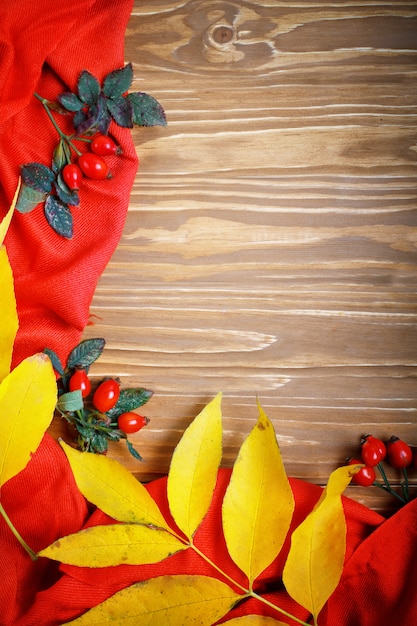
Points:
point(9, 322)
point(193, 470)
point(5, 223)
point(258, 504)
point(164, 601)
point(114, 544)
point(110, 486)
point(27, 403)
point(318, 545)
point(253, 620)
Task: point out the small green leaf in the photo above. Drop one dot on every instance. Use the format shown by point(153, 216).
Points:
point(61, 156)
point(29, 199)
point(65, 194)
point(88, 88)
point(38, 176)
point(121, 111)
point(70, 101)
point(85, 353)
point(55, 360)
point(129, 400)
point(58, 217)
point(133, 451)
point(118, 82)
point(71, 401)
point(146, 110)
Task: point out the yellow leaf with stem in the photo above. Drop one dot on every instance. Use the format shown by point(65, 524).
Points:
point(110, 486)
point(164, 601)
point(258, 504)
point(27, 403)
point(9, 322)
point(315, 562)
point(114, 544)
point(194, 465)
point(253, 620)
point(5, 223)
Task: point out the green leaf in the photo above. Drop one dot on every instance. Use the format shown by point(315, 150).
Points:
point(121, 111)
point(66, 195)
point(70, 101)
point(88, 88)
point(61, 156)
point(118, 82)
point(133, 451)
point(38, 176)
point(70, 401)
point(58, 217)
point(129, 400)
point(29, 199)
point(146, 110)
point(85, 353)
point(164, 601)
point(55, 360)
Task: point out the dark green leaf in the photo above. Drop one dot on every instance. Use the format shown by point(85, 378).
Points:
point(58, 216)
point(98, 443)
point(121, 111)
point(78, 119)
point(132, 451)
point(38, 176)
point(118, 82)
point(146, 110)
point(29, 199)
point(55, 360)
point(71, 401)
point(83, 355)
point(70, 101)
point(61, 156)
point(88, 88)
point(130, 399)
point(65, 194)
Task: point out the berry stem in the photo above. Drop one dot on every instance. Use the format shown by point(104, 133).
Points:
point(20, 539)
point(389, 490)
point(404, 485)
point(63, 136)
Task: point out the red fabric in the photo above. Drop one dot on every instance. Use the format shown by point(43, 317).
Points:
point(376, 589)
point(44, 46)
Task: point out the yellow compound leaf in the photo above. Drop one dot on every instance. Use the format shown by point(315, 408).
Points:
point(318, 545)
point(110, 486)
point(164, 601)
point(193, 471)
point(258, 504)
point(8, 313)
point(253, 620)
point(27, 402)
point(114, 544)
point(5, 223)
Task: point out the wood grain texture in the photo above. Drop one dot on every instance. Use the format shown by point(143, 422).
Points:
point(270, 244)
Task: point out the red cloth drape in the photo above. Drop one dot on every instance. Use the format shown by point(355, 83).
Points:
point(43, 47)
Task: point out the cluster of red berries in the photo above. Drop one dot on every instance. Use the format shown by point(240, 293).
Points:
point(105, 398)
point(396, 452)
point(91, 164)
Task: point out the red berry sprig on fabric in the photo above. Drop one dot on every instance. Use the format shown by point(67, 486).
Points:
point(108, 413)
point(82, 154)
point(396, 452)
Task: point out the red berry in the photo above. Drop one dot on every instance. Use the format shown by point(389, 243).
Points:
point(131, 422)
point(399, 453)
point(80, 380)
point(104, 145)
point(380, 445)
point(366, 475)
point(72, 176)
point(371, 455)
point(93, 166)
point(106, 395)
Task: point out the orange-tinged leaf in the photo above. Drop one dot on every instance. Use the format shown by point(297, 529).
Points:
point(5, 223)
point(258, 504)
point(8, 313)
point(114, 544)
point(318, 545)
point(27, 402)
point(253, 620)
point(193, 471)
point(110, 486)
point(164, 601)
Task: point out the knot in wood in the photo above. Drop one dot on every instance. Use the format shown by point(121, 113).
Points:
point(219, 45)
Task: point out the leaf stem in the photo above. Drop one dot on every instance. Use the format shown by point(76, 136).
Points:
point(63, 136)
point(20, 539)
point(277, 608)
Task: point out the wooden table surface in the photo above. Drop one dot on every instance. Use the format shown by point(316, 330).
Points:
point(270, 245)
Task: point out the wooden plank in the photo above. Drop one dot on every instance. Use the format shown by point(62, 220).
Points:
point(270, 245)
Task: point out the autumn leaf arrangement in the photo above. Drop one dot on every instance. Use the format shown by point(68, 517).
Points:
point(256, 514)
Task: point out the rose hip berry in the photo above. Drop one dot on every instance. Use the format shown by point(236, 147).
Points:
point(93, 166)
point(106, 395)
point(131, 422)
point(79, 380)
point(366, 475)
point(72, 176)
point(104, 145)
point(399, 453)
